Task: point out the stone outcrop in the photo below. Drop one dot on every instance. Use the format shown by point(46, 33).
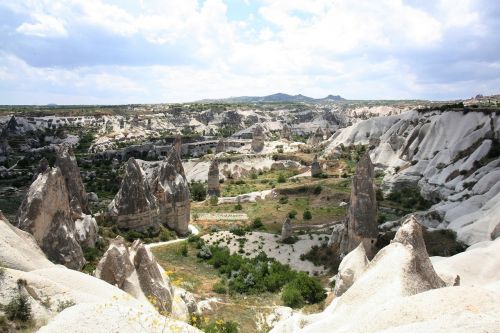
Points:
point(316, 170)
point(135, 270)
point(286, 132)
point(316, 138)
point(46, 214)
point(361, 220)
point(177, 146)
point(66, 161)
point(286, 229)
point(350, 269)
point(134, 206)
point(171, 189)
point(213, 187)
point(221, 147)
point(258, 139)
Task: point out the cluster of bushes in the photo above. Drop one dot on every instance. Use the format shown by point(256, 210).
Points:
point(261, 274)
point(218, 326)
point(324, 255)
point(198, 191)
point(410, 198)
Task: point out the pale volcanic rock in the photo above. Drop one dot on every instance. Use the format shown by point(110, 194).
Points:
point(350, 269)
point(66, 161)
point(221, 147)
point(135, 270)
point(361, 220)
point(286, 229)
point(46, 214)
point(171, 188)
point(286, 132)
point(134, 206)
point(258, 139)
point(213, 185)
point(316, 169)
point(316, 138)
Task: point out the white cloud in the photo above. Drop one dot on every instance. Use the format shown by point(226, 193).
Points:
point(44, 26)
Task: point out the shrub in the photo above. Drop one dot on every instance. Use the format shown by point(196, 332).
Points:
point(184, 250)
point(283, 200)
point(19, 308)
point(257, 223)
point(292, 297)
point(317, 189)
point(204, 252)
point(307, 215)
point(253, 176)
point(238, 207)
point(61, 305)
point(213, 200)
point(219, 287)
point(132, 235)
point(281, 178)
point(292, 214)
point(198, 191)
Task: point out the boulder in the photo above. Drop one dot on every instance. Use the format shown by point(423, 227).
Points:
point(286, 229)
point(134, 206)
point(350, 269)
point(361, 220)
point(213, 188)
point(258, 139)
point(46, 214)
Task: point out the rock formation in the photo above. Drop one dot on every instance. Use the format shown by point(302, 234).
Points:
point(258, 139)
point(316, 170)
point(213, 188)
point(316, 138)
point(66, 161)
point(134, 206)
point(43, 165)
point(46, 214)
point(135, 270)
point(286, 132)
point(362, 213)
point(178, 145)
point(221, 147)
point(286, 229)
point(350, 269)
point(171, 189)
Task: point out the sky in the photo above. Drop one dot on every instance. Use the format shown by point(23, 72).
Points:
point(164, 51)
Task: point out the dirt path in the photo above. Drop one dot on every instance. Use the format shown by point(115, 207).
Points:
point(194, 231)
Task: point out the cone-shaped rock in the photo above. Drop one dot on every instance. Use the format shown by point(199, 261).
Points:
point(286, 132)
point(66, 161)
point(316, 170)
point(316, 138)
point(286, 229)
point(258, 139)
point(46, 214)
point(362, 213)
point(221, 147)
point(213, 179)
point(134, 206)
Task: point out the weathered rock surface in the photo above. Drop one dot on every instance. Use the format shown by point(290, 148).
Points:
point(171, 189)
point(134, 206)
point(135, 270)
point(213, 185)
point(361, 219)
point(350, 269)
point(317, 138)
point(401, 292)
point(221, 147)
point(286, 229)
point(286, 132)
point(258, 139)
point(46, 214)
point(66, 161)
point(316, 169)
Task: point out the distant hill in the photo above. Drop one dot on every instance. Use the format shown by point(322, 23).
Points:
point(275, 98)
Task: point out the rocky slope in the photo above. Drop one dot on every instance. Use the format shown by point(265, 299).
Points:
point(452, 158)
point(399, 291)
point(64, 300)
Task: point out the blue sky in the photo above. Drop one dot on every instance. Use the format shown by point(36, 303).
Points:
point(155, 51)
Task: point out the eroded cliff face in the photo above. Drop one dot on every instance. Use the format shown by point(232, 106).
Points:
point(451, 157)
point(46, 214)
